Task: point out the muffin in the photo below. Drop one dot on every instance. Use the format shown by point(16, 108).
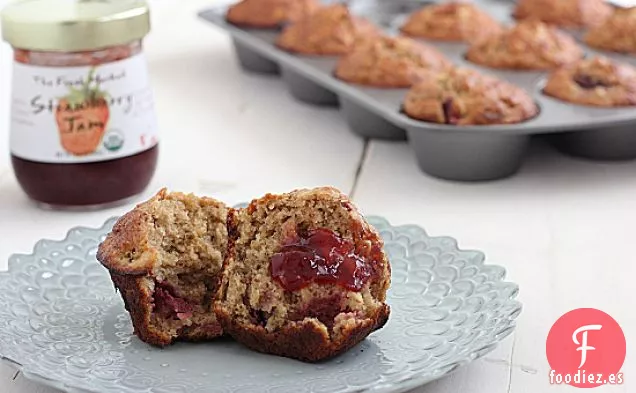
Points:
point(455, 21)
point(306, 276)
point(574, 14)
point(269, 13)
point(466, 97)
point(530, 45)
point(617, 33)
point(390, 62)
point(331, 30)
point(598, 81)
point(165, 257)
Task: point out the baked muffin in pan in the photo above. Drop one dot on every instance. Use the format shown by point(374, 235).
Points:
point(390, 62)
point(331, 30)
point(269, 13)
point(454, 21)
point(616, 34)
point(597, 81)
point(573, 14)
point(529, 45)
point(465, 97)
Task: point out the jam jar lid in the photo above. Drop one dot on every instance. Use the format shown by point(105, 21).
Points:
point(74, 25)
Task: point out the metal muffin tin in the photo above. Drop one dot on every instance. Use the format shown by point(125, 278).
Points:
point(464, 153)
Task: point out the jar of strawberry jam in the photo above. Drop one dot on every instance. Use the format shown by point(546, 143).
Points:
point(83, 131)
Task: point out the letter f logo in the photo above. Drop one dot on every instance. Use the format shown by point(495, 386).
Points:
point(583, 344)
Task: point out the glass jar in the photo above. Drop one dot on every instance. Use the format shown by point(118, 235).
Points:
point(83, 131)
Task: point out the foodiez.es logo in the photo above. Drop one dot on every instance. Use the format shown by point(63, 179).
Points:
point(586, 348)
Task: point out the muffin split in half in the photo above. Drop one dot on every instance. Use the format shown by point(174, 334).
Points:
point(301, 275)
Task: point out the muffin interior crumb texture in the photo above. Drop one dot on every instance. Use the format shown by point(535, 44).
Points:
point(180, 240)
point(255, 298)
point(190, 240)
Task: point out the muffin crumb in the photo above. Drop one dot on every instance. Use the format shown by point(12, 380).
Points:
point(317, 319)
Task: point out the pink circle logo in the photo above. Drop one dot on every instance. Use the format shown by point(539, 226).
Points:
point(586, 348)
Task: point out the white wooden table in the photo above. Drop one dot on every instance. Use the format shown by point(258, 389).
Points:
point(563, 228)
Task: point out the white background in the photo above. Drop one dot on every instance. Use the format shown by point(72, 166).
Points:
point(564, 228)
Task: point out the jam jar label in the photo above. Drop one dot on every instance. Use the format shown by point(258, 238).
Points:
point(82, 114)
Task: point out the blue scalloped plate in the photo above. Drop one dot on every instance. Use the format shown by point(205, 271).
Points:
point(62, 324)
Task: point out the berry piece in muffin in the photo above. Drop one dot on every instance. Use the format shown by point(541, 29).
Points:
point(331, 30)
point(306, 276)
point(455, 21)
point(390, 62)
point(616, 34)
point(466, 97)
point(564, 13)
point(269, 13)
point(165, 257)
point(598, 81)
point(530, 45)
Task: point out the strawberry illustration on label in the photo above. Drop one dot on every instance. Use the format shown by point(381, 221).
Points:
point(82, 117)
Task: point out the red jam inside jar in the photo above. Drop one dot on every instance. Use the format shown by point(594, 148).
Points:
point(84, 183)
point(319, 256)
point(83, 131)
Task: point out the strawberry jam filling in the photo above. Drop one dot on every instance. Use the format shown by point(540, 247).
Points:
point(319, 256)
point(170, 306)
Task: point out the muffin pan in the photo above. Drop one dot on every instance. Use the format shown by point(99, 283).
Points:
point(463, 153)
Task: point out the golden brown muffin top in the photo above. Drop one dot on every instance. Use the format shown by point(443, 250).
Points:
point(530, 44)
point(598, 81)
point(617, 33)
point(270, 13)
point(455, 21)
point(390, 62)
point(466, 97)
point(564, 13)
point(331, 30)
